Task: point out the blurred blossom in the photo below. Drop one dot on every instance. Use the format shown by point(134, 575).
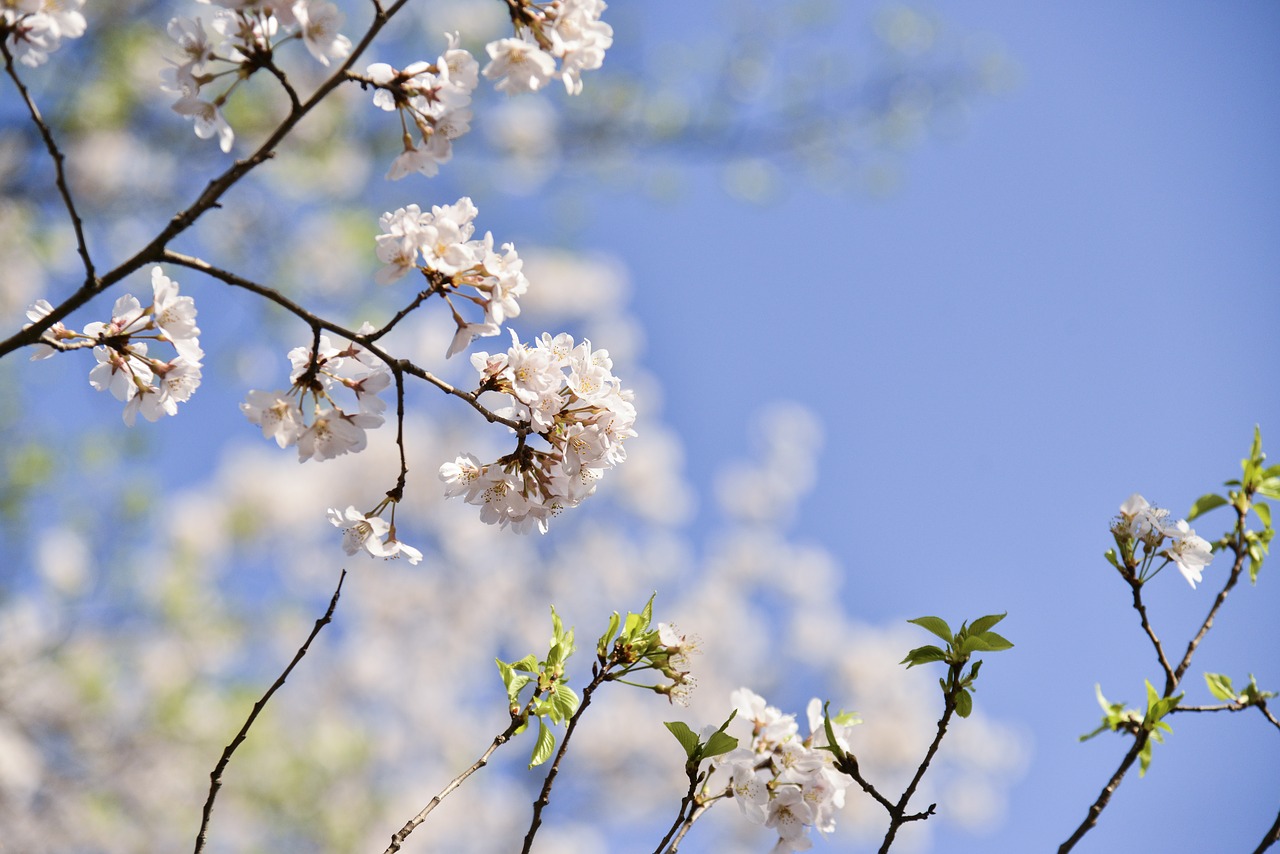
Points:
point(64, 560)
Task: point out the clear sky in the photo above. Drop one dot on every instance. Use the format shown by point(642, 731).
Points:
point(1073, 299)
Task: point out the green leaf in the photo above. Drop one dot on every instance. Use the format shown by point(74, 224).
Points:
point(923, 655)
point(935, 625)
point(606, 639)
point(1204, 504)
point(983, 624)
point(719, 742)
point(543, 746)
point(513, 681)
point(1263, 509)
point(688, 738)
point(1220, 687)
point(529, 664)
point(1270, 488)
point(985, 642)
point(964, 704)
point(564, 702)
point(1110, 555)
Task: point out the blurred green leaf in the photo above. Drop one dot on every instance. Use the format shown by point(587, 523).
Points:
point(923, 655)
point(964, 703)
point(984, 624)
point(935, 625)
point(1220, 687)
point(1204, 504)
point(719, 742)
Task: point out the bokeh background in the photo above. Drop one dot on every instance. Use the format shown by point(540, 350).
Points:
point(912, 298)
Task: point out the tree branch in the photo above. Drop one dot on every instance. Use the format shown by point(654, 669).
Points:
point(1091, 818)
point(215, 777)
point(1170, 678)
point(544, 797)
point(60, 177)
point(398, 838)
point(1236, 568)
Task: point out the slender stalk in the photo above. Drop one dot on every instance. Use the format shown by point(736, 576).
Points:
point(59, 174)
point(399, 837)
point(215, 777)
point(1095, 810)
point(1170, 678)
point(544, 797)
point(688, 801)
point(1272, 837)
point(1236, 568)
point(698, 812)
point(898, 815)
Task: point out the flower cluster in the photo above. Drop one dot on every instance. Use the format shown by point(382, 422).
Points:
point(1176, 542)
point(33, 29)
point(782, 781)
point(245, 32)
point(148, 385)
point(435, 98)
point(439, 244)
point(569, 31)
point(371, 533)
point(568, 395)
point(318, 374)
point(670, 657)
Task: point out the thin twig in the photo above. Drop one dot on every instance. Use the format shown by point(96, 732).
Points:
point(398, 838)
point(1272, 837)
point(898, 815)
point(317, 323)
point(1266, 713)
point(1095, 810)
point(689, 800)
point(60, 177)
point(699, 811)
point(1170, 678)
point(1240, 551)
point(215, 777)
point(544, 797)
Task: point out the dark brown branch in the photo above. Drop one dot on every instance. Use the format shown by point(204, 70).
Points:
point(1170, 678)
point(698, 812)
point(60, 177)
point(215, 777)
point(1091, 818)
point(1266, 713)
point(1241, 551)
point(1272, 837)
point(399, 837)
point(544, 797)
point(686, 804)
point(898, 814)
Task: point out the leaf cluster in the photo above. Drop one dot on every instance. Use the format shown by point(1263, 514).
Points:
point(961, 644)
point(1256, 479)
point(1220, 686)
point(1117, 717)
point(696, 750)
point(552, 701)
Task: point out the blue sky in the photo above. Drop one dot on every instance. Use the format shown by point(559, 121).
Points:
point(1072, 300)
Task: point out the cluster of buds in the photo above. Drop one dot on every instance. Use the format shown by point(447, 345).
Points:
point(245, 33)
point(566, 394)
point(1141, 523)
point(439, 244)
point(782, 781)
point(557, 40)
point(318, 374)
point(33, 29)
point(146, 384)
point(434, 98)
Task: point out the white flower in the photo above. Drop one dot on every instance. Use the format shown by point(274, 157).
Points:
point(1189, 552)
point(360, 531)
point(279, 417)
point(518, 66)
point(176, 316)
point(319, 22)
point(208, 118)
